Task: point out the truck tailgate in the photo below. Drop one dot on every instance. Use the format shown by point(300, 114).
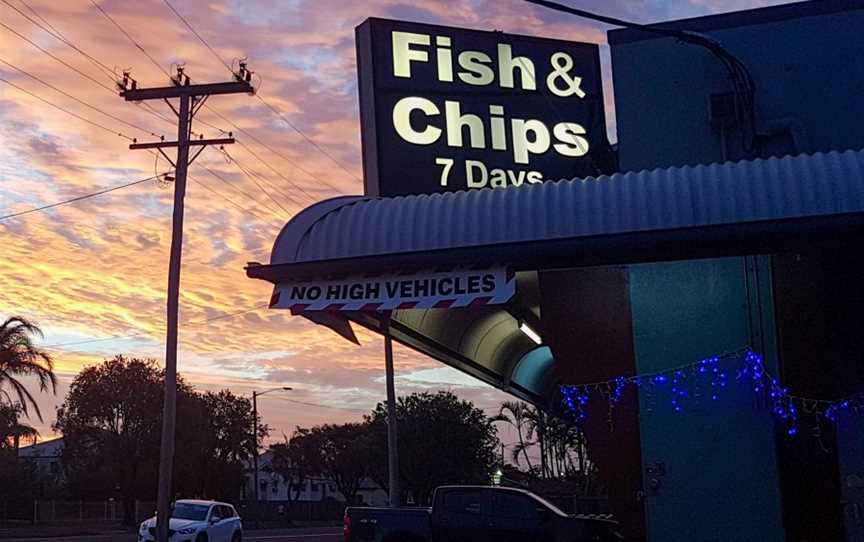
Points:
point(377, 524)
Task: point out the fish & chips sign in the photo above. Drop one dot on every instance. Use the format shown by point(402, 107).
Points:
point(443, 289)
point(445, 109)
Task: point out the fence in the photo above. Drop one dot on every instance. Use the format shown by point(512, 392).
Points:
point(53, 511)
point(15, 512)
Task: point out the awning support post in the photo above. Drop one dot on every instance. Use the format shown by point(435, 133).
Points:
point(394, 492)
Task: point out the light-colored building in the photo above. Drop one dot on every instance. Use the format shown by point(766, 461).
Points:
point(46, 455)
point(272, 487)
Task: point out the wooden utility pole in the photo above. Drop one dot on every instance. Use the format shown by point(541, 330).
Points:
point(191, 97)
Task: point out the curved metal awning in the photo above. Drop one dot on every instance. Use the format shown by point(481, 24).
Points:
point(746, 207)
point(759, 206)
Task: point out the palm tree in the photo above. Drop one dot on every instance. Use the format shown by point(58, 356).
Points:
point(514, 413)
point(535, 421)
point(12, 431)
point(559, 441)
point(19, 357)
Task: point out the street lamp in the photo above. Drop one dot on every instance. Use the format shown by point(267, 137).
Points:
point(255, 395)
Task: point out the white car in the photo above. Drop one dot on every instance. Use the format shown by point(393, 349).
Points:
point(197, 521)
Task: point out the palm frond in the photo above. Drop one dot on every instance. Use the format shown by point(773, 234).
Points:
point(20, 357)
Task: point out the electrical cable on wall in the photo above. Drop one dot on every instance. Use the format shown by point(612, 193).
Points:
point(742, 81)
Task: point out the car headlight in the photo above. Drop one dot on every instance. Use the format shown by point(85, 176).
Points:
point(188, 530)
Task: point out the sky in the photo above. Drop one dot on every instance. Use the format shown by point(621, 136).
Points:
point(93, 275)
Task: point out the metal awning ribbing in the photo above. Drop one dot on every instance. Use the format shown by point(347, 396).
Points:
point(683, 212)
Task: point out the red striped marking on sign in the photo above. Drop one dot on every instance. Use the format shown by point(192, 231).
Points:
point(444, 304)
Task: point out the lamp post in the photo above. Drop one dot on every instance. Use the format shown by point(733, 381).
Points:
point(255, 395)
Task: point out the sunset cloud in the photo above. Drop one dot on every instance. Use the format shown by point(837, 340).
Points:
point(97, 270)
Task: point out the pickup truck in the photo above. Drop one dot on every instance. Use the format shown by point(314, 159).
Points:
point(476, 514)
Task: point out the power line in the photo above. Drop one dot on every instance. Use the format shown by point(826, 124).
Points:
point(52, 31)
point(120, 134)
point(229, 200)
point(56, 58)
point(242, 192)
point(68, 112)
point(149, 57)
point(197, 35)
point(307, 138)
point(266, 163)
point(79, 100)
point(222, 61)
point(271, 185)
point(277, 172)
point(79, 198)
point(267, 104)
point(252, 136)
point(130, 38)
point(226, 198)
point(58, 35)
point(254, 180)
point(320, 405)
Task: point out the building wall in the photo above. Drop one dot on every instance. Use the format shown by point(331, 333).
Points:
point(315, 489)
point(47, 456)
point(710, 468)
point(807, 70)
point(722, 469)
point(273, 488)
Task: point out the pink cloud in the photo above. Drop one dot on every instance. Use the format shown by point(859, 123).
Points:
point(99, 269)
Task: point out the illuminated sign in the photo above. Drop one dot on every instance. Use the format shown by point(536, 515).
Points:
point(433, 290)
point(445, 109)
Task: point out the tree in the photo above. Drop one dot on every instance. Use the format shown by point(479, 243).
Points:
point(12, 430)
point(515, 414)
point(294, 460)
point(342, 455)
point(110, 422)
point(442, 440)
point(20, 479)
point(562, 445)
point(20, 357)
point(214, 440)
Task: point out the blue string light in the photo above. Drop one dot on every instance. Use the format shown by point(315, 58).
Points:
point(676, 382)
point(618, 390)
point(576, 400)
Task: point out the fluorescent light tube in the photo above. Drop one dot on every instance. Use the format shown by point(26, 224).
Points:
point(533, 335)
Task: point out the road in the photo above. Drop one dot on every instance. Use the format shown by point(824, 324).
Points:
point(327, 534)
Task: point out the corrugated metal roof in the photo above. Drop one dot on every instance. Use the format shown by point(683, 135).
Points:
point(662, 199)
